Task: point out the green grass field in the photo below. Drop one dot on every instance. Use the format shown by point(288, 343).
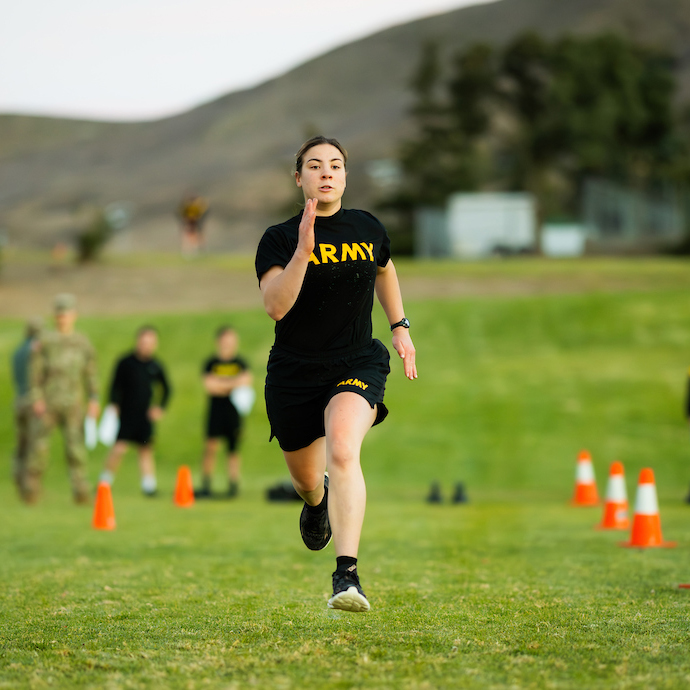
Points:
point(514, 590)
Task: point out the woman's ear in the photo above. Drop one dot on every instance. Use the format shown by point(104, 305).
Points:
point(298, 180)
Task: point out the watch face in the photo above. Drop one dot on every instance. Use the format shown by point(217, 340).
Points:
point(405, 322)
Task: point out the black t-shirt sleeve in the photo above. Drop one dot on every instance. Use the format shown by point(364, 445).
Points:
point(275, 249)
point(242, 363)
point(207, 367)
point(384, 253)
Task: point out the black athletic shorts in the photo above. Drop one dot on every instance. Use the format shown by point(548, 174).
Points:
point(224, 422)
point(135, 429)
point(299, 387)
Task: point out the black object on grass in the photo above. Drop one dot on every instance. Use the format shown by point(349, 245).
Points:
point(460, 495)
point(434, 494)
point(283, 491)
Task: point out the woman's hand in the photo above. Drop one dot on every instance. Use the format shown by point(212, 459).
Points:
point(306, 238)
point(405, 348)
point(280, 287)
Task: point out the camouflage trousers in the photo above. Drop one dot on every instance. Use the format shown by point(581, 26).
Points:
point(71, 423)
point(22, 417)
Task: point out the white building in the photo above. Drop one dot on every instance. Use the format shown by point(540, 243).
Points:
point(477, 225)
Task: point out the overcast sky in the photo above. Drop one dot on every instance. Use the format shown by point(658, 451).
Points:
point(134, 59)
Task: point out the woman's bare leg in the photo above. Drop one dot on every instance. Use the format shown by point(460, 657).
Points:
point(307, 467)
point(348, 419)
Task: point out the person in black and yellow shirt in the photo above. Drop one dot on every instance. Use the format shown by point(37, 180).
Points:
point(223, 373)
point(192, 211)
point(326, 374)
point(139, 393)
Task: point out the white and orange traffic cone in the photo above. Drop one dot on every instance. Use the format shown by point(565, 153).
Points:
point(616, 506)
point(646, 527)
point(585, 485)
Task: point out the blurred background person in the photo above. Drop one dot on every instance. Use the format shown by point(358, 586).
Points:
point(192, 212)
point(22, 403)
point(62, 367)
point(139, 393)
point(223, 373)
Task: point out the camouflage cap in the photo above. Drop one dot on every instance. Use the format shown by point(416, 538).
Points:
point(65, 302)
point(34, 325)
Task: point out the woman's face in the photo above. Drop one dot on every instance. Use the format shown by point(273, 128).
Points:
point(323, 175)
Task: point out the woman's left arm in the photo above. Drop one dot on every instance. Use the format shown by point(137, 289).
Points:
point(388, 292)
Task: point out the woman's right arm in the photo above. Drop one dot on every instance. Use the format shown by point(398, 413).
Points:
point(280, 286)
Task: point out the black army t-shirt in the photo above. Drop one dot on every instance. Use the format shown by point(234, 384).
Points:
point(221, 404)
point(333, 310)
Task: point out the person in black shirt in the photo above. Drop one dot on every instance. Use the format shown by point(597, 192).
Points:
point(326, 374)
point(223, 373)
point(139, 406)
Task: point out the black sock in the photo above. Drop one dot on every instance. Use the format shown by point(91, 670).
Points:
point(206, 483)
point(346, 563)
point(321, 507)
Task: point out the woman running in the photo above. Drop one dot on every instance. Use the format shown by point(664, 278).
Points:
point(326, 374)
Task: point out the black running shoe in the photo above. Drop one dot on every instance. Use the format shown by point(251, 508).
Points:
point(315, 528)
point(203, 492)
point(347, 593)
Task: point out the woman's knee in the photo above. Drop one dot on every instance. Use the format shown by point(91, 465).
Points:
point(343, 452)
point(306, 482)
point(307, 466)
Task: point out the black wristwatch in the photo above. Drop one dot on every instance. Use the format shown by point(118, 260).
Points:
point(404, 322)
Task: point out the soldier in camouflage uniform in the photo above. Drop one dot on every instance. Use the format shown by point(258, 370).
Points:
point(62, 366)
point(22, 404)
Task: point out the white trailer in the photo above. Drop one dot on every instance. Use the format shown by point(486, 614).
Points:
point(479, 225)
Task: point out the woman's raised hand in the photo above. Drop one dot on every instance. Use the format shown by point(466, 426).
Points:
point(306, 240)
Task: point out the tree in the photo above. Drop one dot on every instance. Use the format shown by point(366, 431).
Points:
point(541, 116)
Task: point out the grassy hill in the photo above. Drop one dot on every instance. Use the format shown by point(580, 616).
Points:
point(238, 149)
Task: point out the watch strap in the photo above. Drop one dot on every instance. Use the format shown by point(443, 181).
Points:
point(404, 322)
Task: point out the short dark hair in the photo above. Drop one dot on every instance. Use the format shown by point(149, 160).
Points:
point(146, 328)
point(317, 141)
point(222, 330)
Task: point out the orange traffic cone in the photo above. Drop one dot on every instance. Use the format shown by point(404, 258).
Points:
point(184, 491)
point(616, 506)
point(646, 528)
point(585, 486)
point(103, 512)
